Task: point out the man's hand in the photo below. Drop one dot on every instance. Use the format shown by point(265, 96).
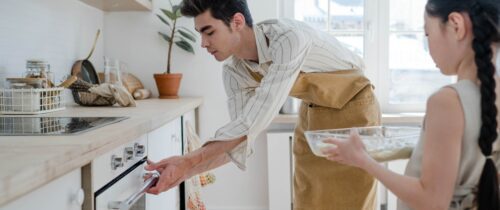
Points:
point(176, 169)
point(173, 171)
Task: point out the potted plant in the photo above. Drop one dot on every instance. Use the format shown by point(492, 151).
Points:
point(166, 82)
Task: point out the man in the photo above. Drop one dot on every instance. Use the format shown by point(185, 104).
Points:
point(264, 63)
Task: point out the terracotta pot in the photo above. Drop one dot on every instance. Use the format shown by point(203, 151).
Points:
point(168, 85)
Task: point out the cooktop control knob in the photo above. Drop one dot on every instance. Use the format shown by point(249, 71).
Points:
point(128, 153)
point(139, 150)
point(116, 162)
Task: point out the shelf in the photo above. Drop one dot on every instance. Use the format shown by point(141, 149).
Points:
point(120, 5)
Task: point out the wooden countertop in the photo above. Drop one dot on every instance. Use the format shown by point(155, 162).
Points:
point(28, 162)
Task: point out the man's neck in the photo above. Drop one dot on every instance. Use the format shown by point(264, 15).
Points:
point(248, 47)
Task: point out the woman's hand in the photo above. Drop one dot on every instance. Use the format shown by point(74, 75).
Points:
point(347, 151)
point(173, 171)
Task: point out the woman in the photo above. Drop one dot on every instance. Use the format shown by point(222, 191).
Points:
point(452, 166)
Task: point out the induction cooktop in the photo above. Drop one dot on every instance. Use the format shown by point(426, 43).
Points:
point(52, 126)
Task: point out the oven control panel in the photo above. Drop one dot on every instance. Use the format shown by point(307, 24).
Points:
point(108, 166)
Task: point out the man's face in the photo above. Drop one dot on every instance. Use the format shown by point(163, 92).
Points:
point(216, 36)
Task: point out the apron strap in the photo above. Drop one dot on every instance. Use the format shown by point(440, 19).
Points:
point(255, 75)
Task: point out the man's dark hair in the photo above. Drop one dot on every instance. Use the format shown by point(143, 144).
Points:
point(221, 9)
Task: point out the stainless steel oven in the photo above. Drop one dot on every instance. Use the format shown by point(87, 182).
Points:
point(115, 180)
point(126, 191)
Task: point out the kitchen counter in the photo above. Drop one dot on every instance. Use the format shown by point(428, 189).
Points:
point(286, 122)
point(28, 162)
point(411, 118)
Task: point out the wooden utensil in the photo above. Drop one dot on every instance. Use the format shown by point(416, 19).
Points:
point(68, 82)
point(140, 94)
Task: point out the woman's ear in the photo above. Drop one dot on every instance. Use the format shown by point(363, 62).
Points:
point(458, 23)
point(238, 22)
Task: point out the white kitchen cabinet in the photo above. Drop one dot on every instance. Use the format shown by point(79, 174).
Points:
point(280, 170)
point(188, 119)
point(399, 167)
point(165, 142)
point(64, 193)
point(120, 5)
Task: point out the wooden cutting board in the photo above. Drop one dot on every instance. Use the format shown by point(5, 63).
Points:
point(130, 81)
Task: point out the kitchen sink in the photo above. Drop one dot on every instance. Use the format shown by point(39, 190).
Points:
point(52, 126)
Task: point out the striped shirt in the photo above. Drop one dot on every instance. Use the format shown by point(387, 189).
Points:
point(291, 47)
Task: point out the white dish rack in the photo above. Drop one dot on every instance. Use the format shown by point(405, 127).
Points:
point(31, 100)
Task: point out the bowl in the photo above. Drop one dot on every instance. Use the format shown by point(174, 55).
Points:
point(381, 142)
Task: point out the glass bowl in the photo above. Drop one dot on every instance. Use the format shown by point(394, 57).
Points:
point(381, 142)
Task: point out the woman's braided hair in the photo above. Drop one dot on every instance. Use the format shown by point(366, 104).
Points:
point(484, 15)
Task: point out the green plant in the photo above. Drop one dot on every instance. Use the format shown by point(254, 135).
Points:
point(181, 36)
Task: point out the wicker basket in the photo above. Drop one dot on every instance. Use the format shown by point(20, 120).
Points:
point(82, 96)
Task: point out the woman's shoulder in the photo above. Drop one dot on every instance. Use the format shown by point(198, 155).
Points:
point(445, 118)
point(444, 106)
point(457, 93)
point(444, 97)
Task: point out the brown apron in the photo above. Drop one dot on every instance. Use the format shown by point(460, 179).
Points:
point(331, 100)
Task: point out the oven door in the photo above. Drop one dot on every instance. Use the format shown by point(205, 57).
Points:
point(127, 191)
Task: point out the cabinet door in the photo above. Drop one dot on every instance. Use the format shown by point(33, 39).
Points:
point(176, 137)
point(188, 118)
point(163, 143)
point(64, 193)
point(280, 170)
point(399, 167)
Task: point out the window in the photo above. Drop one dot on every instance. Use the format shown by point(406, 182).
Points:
point(389, 35)
point(342, 18)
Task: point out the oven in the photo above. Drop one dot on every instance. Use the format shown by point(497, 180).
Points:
point(125, 192)
point(115, 180)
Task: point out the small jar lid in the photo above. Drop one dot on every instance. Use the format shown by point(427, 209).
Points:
point(36, 63)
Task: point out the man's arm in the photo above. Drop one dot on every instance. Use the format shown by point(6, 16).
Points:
point(212, 155)
point(219, 160)
point(176, 169)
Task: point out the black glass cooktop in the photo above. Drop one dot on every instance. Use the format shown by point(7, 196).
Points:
point(41, 126)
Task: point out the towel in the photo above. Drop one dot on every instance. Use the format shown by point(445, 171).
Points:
point(118, 92)
point(195, 183)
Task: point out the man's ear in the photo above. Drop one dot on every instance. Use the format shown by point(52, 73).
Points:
point(238, 22)
point(458, 23)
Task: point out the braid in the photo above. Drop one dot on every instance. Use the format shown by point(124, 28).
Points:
point(484, 33)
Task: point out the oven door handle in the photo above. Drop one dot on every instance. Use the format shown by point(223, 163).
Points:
point(127, 203)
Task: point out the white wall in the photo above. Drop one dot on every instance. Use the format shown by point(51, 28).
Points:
point(133, 37)
point(58, 31)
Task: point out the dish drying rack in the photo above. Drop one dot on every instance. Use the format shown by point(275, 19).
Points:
point(31, 100)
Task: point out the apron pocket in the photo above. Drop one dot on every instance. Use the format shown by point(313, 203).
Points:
point(331, 89)
point(362, 110)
